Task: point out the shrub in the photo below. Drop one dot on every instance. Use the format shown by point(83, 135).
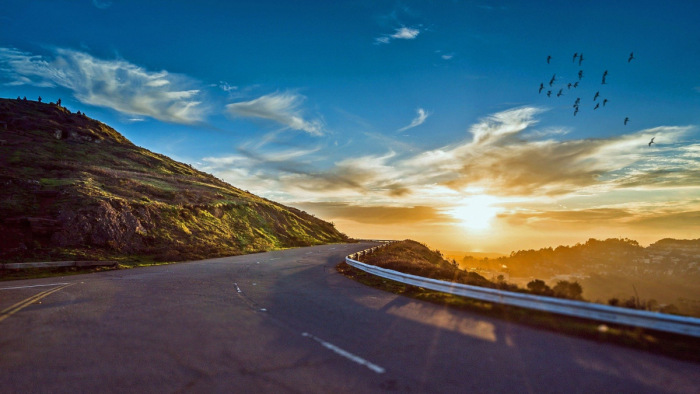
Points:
point(538, 286)
point(566, 289)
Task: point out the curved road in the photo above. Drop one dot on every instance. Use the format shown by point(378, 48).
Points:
point(285, 321)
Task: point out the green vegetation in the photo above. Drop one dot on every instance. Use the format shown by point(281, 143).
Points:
point(72, 188)
point(414, 258)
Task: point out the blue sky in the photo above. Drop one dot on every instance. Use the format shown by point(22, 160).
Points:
point(397, 119)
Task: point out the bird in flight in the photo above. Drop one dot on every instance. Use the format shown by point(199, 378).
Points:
point(560, 93)
point(605, 102)
point(578, 101)
point(549, 93)
point(580, 74)
point(652, 141)
point(551, 81)
point(631, 57)
point(575, 111)
point(549, 58)
point(575, 56)
point(626, 120)
point(576, 84)
point(605, 74)
point(541, 87)
point(580, 59)
point(597, 94)
point(568, 86)
point(597, 106)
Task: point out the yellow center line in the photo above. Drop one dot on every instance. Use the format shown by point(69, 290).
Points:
point(4, 314)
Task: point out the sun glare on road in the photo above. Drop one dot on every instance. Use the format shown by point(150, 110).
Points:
point(476, 212)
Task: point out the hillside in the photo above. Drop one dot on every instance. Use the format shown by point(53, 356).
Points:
point(71, 187)
point(415, 258)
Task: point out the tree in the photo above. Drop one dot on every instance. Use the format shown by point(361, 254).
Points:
point(538, 286)
point(670, 308)
point(631, 303)
point(652, 305)
point(566, 289)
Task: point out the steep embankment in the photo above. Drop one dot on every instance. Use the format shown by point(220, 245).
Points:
point(72, 188)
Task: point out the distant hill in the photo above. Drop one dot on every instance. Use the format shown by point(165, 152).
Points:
point(459, 255)
point(72, 187)
point(613, 255)
point(667, 271)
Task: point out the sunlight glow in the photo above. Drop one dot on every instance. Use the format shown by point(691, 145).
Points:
point(476, 212)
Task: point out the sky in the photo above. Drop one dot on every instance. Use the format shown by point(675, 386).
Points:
point(397, 119)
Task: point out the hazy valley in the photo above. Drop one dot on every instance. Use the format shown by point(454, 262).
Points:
point(664, 273)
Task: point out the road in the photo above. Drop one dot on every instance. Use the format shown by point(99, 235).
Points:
point(286, 321)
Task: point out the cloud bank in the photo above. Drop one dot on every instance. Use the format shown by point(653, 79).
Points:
point(504, 156)
point(115, 84)
point(502, 159)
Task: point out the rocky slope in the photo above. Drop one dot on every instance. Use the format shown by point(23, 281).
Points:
point(72, 187)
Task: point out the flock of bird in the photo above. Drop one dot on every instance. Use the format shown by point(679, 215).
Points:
point(578, 57)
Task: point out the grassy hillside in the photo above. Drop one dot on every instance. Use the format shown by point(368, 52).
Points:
point(72, 187)
point(414, 258)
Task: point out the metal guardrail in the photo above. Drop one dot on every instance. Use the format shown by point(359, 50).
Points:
point(606, 313)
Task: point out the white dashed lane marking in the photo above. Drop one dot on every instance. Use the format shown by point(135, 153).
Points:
point(352, 357)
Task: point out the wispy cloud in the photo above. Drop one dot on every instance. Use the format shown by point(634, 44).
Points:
point(115, 84)
point(102, 4)
point(405, 33)
point(381, 214)
point(401, 33)
point(382, 40)
point(683, 215)
point(445, 55)
point(422, 115)
point(226, 87)
point(283, 108)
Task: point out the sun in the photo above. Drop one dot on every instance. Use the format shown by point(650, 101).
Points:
point(476, 212)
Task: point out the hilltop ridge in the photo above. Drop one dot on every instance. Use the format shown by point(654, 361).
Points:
point(72, 187)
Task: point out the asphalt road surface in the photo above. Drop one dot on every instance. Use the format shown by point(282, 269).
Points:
point(286, 321)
